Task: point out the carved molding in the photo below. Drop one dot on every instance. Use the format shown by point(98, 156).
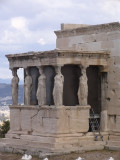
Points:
point(58, 57)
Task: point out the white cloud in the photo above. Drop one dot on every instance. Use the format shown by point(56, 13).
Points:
point(5, 73)
point(41, 41)
point(112, 7)
point(19, 23)
point(55, 3)
point(7, 38)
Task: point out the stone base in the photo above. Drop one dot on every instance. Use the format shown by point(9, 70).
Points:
point(50, 129)
point(42, 147)
point(35, 120)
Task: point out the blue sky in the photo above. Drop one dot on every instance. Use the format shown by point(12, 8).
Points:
point(28, 25)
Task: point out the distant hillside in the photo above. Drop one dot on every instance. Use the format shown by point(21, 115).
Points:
point(5, 94)
point(6, 81)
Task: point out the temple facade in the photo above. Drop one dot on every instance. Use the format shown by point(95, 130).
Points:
point(64, 87)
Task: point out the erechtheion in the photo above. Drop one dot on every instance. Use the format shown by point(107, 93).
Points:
point(61, 89)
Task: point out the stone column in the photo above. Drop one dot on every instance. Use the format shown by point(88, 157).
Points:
point(104, 109)
point(27, 87)
point(58, 87)
point(41, 90)
point(83, 87)
point(14, 86)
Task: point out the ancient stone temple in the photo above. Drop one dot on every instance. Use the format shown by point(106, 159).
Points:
point(61, 89)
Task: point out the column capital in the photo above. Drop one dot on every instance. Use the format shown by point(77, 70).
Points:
point(27, 71)
point(14, 71)
point(58, 68)
point(84, 66)
point(58, 65)
point(40, 68)
point(26, 67)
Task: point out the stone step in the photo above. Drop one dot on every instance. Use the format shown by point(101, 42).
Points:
point(17, 144)
point(35, 148)
point(113, 143)
point(114, 138)
point(111, 147)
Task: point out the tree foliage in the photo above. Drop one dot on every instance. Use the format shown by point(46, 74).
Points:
point(4, 128)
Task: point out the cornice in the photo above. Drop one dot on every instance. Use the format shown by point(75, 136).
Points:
point(92, 29)
point(57, 57)
point(55, 53)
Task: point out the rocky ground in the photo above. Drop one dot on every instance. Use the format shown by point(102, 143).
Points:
point(93, 155)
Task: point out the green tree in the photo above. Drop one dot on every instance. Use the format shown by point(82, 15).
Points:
point(4, 128)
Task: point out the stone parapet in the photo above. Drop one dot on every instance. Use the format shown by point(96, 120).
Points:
point(35, 120)
point(72, 26)
point(92, 29)
point(50, 128)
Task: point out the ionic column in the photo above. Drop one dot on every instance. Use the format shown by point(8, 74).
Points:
point(14, 86)
point(58, 87)
point(41, 90)
point(27, 87)
point(83, 87)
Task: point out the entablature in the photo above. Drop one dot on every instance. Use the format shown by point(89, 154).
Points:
point(58, 57)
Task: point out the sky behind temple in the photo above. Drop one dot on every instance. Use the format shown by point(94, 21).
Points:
point(28, 25)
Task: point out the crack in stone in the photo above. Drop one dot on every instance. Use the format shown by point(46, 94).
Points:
point(32, 120)
point(35, 114)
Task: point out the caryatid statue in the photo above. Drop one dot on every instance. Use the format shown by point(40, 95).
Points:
point(83, 88)
point(41, 90)
point(14, 86)
point(58, 87)
point(27, 87)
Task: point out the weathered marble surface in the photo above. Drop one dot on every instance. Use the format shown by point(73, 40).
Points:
point(27, 87)
point(14, 86)
point(83, 88)
point(58, 87)
point(49, 120)
point(41, 91)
